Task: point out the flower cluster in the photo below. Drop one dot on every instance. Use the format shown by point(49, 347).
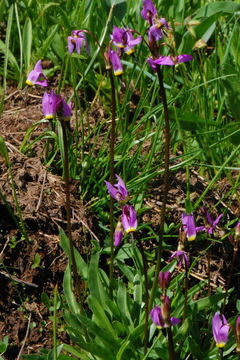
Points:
point(128, 220)
point(76, 41)
point(124, 41)
point(160, 316)
point(159, 28)
point(52, 104)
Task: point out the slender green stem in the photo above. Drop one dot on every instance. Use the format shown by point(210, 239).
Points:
point(165, 183)
point(112, 150)
point(68, 211)
point(234, 258)
point(171, 350)
point(19, 212)
point(221, 353)
point(209, 270)
point(145, 270)
point(185, 293)
point(55, 324)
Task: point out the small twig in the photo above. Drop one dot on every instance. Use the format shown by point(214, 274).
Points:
point(14, 278)
point(25, 338)
point(41, 193)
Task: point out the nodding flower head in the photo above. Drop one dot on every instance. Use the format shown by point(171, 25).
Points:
point(36, 76)
point(64, 110)
point(160, 316)
point(76, 41)
point(123, 39)
point(119, 190)
point(238, 333)
point(149, 11)
point(118, 233)
point(50, 104)
point(129, 218)
point(164, 279)
point(182, 258)
point(116, 62)
point(189, 226)
point(220, 329)
point(156, 31)
point(172, 60)
point(210, 223)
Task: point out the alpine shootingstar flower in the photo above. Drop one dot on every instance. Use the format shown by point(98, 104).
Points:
point(238, 333)
point(123, 39)
point(220, 329)
point(164, 279)
point(116, 62)
point(211, 224)
point(182, 258)
point(168, 60)
point(118, 234)
point(189, 226)
point(36, 76)
point(149, 11)
point(129, 218)
point(160, 316)
point(119, 190)
point(76, 41)
point(50, 104)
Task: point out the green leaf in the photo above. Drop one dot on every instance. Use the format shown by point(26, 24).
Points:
point(3, 150)
point(81, 264)
point(188, 120)
point(120, 7)
point(100, 315)
point(207, 302)
point(225, 7)
point(27, 43)
point(122, 349)
point(94, 282)
point(137, 294)
point(123, 303)
point(47, 42)
point(69, 295)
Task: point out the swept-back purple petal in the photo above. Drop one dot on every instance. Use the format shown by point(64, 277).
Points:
point(38, 66)
point(149, 11)
point(184, 58)
point(175, 321)
point(71, 45)
point(164, 60)
point(217, 220)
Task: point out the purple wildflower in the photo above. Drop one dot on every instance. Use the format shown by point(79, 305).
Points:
point(211, 224)
point(182, 258)
point(118, 234)
point(164, 279)
point(158, 314)
point(189, 226)
point(220, 329)
point(123, 39)
point(76, 41)
point(156, 31)
point(36, 76)
point(172, 60)
point(129, 218)
point(149, 11)
point(238, 333)
point(50, 104)
point(119, 190)
point(64, 110)
point(237, 230)
point(116, 62)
